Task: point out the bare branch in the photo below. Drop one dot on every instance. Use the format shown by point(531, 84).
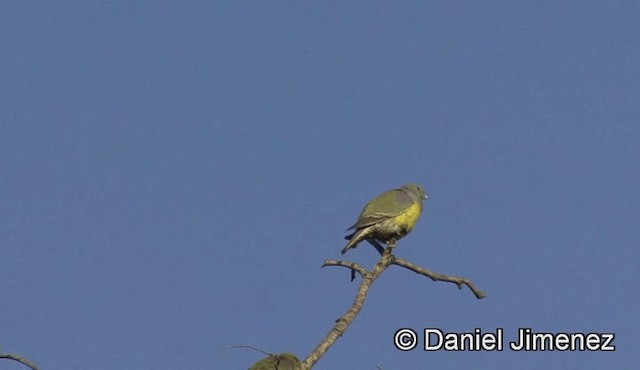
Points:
point(19, 359)
point(459, 281)
point(355, 267)
point(341, 325)
point(368, 277)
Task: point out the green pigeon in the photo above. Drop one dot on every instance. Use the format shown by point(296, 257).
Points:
point(389, 216)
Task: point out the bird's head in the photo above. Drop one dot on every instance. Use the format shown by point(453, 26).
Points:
point(415, 189)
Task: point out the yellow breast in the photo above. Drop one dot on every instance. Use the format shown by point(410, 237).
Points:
point(408, 218)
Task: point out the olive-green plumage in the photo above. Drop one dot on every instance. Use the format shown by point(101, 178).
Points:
point(283, 361)
point(389, 216)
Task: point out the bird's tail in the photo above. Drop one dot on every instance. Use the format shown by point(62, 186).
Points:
point(353, 238)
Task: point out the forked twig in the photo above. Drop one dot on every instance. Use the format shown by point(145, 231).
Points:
point(368, 277)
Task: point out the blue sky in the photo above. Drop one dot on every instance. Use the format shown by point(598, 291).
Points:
point(174, 174)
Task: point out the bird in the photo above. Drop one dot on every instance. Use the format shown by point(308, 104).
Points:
point(389, 216)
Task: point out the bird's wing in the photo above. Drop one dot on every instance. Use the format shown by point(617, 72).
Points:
point(388, 204)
